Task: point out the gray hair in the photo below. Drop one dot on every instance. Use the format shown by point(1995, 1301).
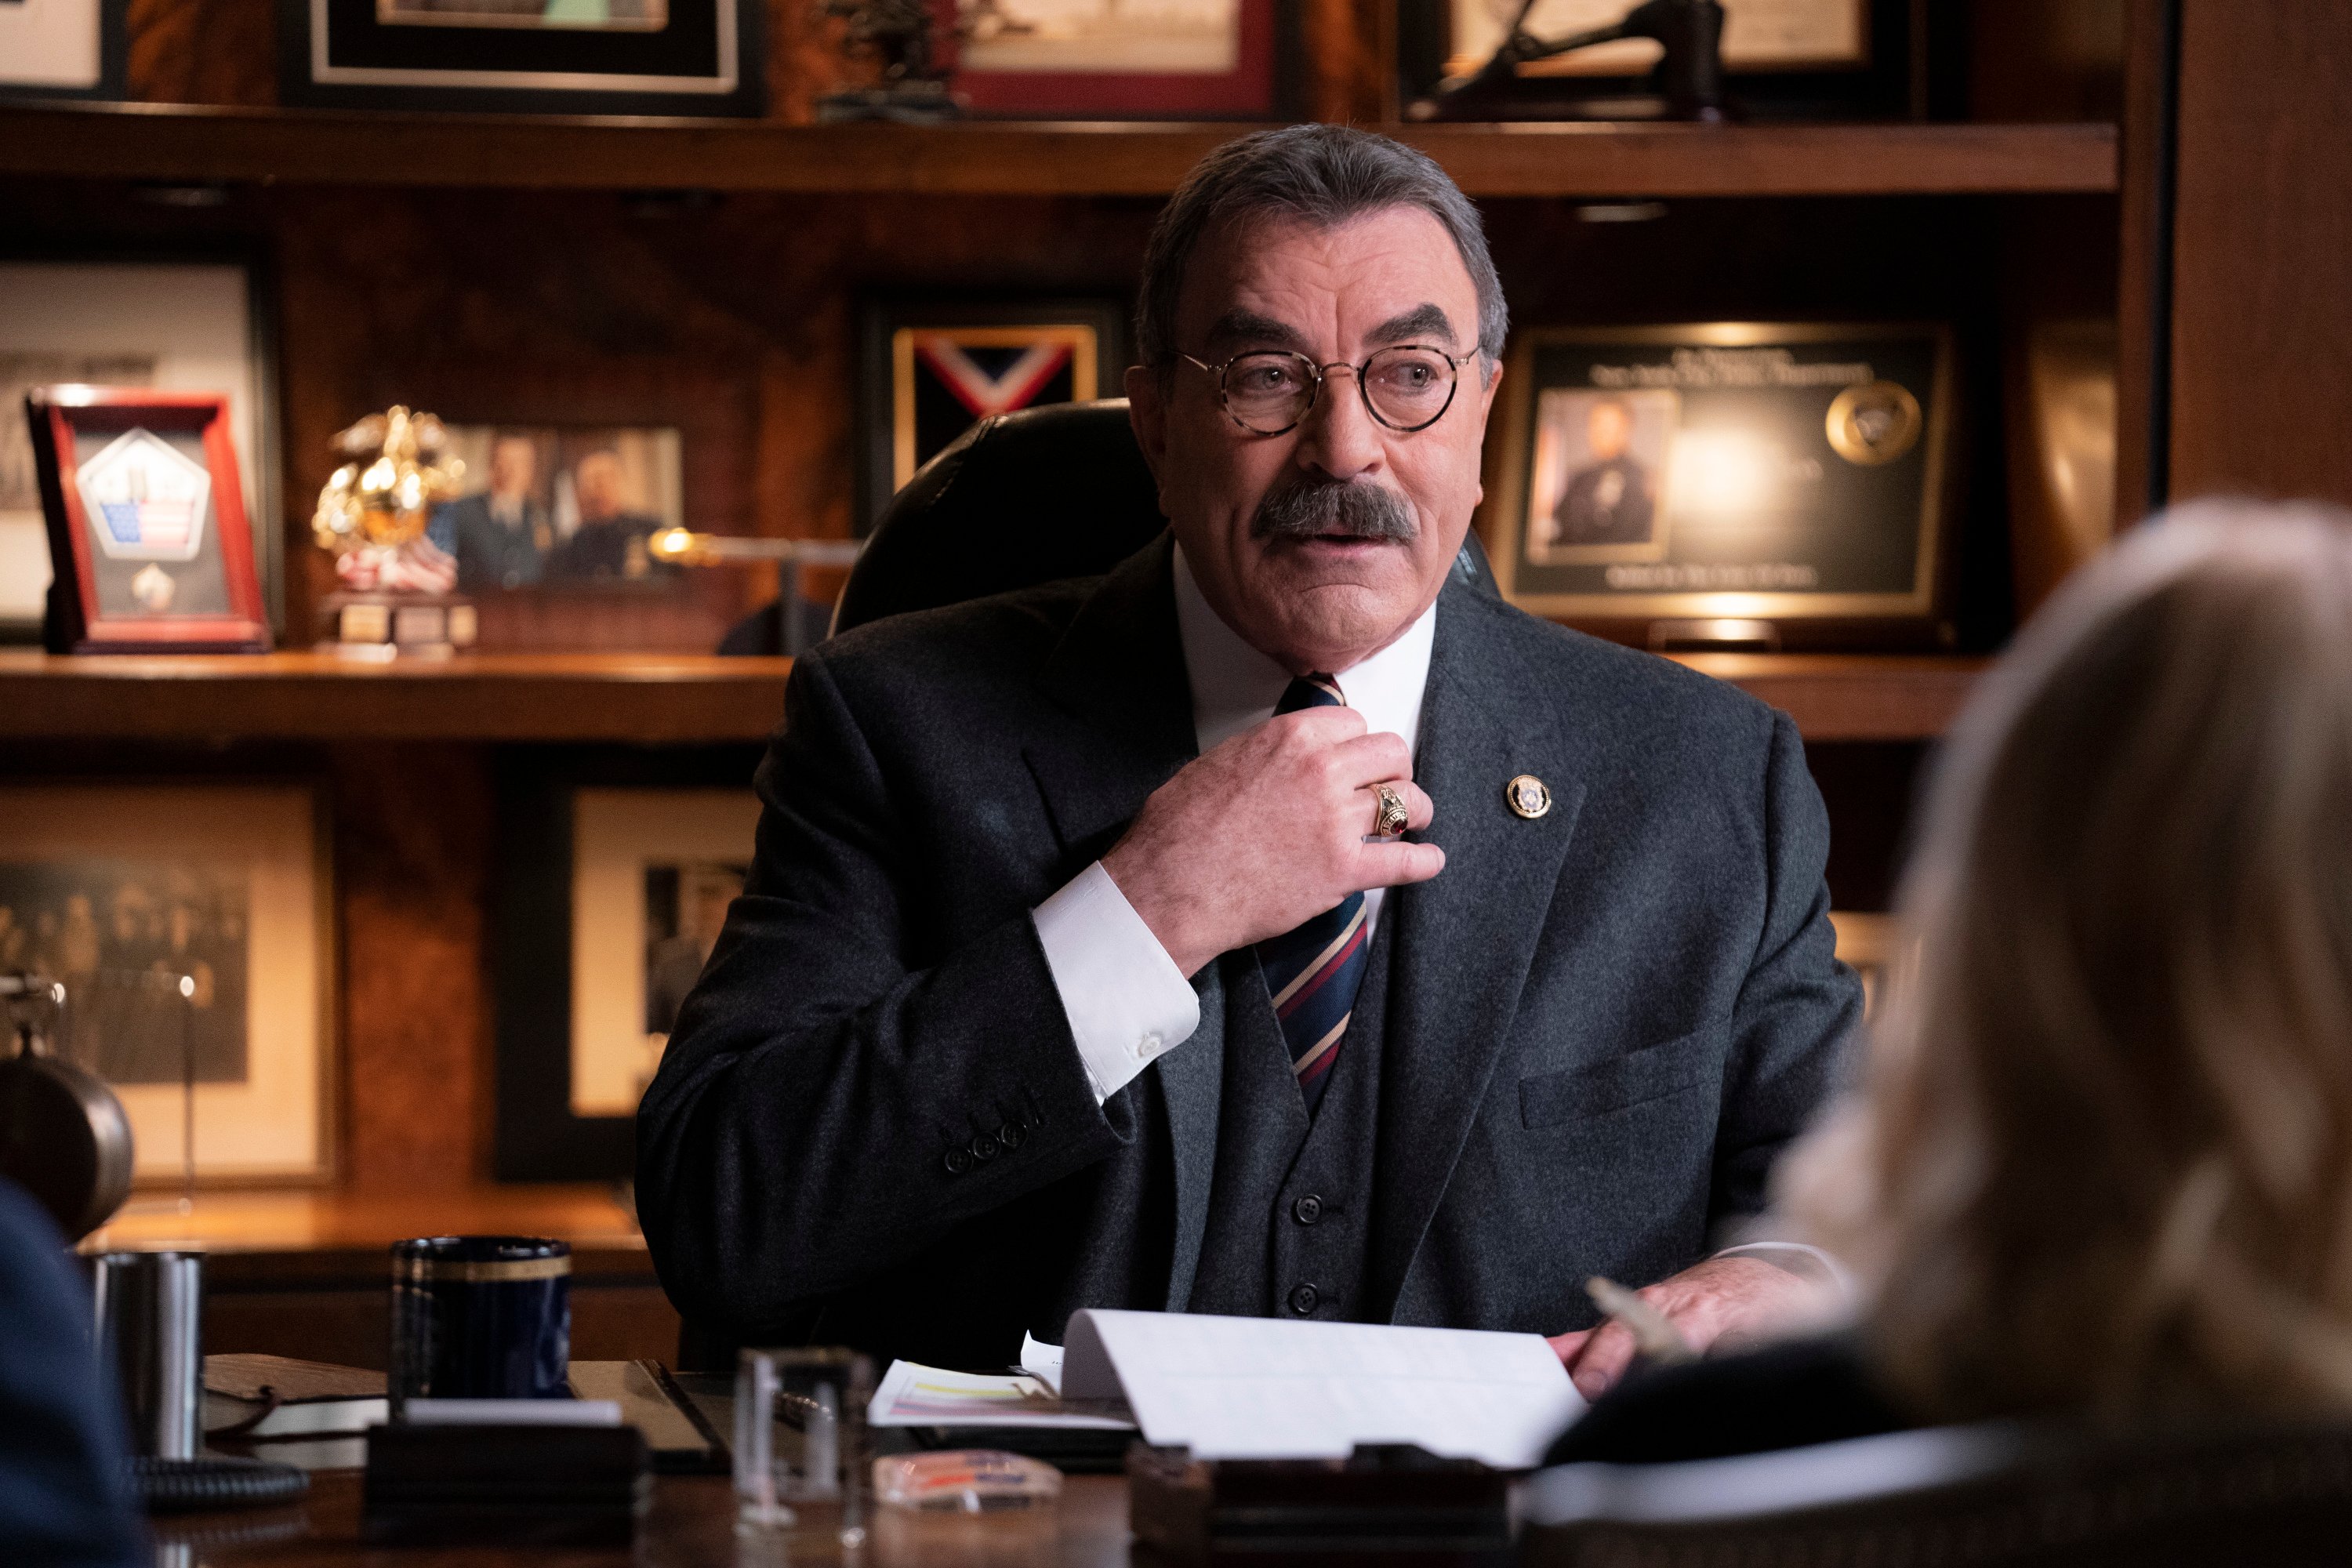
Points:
point(1324, 175)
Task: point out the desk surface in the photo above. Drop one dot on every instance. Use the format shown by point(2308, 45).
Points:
point(691, 1526)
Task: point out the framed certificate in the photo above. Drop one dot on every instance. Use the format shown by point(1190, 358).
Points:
point(558, 57)
point(1788, 475)
point(63, 48)
point(1103, 58)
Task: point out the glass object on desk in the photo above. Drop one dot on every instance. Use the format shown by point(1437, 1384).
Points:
point(800, 1437)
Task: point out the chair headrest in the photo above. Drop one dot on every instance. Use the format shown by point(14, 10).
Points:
point(1019, 499)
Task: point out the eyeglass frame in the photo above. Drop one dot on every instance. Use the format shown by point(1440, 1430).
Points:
point(1224, 398)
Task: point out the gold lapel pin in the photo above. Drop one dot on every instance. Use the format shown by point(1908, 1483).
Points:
point(1527, 795)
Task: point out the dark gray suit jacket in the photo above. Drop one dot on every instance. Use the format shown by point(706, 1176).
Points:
point(872, 1126)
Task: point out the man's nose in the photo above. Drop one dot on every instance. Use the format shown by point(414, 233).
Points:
point(1339, 437)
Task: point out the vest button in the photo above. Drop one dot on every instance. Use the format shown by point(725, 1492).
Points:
point(1303, 1299)
point(1307, 1210)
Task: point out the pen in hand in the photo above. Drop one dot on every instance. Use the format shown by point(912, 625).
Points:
point(1655, 1338)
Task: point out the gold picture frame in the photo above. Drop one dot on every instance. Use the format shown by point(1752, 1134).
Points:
point(121, 891)
point(1865, 533)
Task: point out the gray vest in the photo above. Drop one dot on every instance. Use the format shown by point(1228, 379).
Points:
point(1289, 1221)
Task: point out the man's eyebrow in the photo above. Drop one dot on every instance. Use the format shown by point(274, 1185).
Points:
point(1249, 327)
point(1423, 323)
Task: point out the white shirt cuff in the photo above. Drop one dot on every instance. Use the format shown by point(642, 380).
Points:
point(1127, 1001)
point(1826, 1265)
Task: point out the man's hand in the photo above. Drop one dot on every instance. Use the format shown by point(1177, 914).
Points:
point(1722, 1298)
point(1268, 831)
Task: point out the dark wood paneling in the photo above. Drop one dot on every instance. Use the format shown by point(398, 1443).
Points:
point(2262, 336)
point(2144, 273)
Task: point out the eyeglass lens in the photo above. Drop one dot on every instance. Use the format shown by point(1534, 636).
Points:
point(1407, 387)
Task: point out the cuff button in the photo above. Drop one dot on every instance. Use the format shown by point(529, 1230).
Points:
point(983, 1147)
point(1010, 1136)
point(959, 1161)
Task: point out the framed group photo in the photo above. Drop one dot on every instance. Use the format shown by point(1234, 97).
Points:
point(1789, 474)
point(191, 927)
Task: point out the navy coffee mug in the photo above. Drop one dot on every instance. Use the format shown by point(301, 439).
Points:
point(480, 1317)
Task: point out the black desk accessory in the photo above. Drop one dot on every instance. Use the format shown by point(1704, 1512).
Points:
point(1388, 1504)
point(505, 1485)
point(63, 1134)
point(1689, 79)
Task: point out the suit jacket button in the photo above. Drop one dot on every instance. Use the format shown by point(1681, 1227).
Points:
point(1303, 1299)
point(1010, 1136)
point(958, 1162)
point(1307, 1210)
point(983, 1147)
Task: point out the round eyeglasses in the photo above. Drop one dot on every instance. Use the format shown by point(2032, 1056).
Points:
point(1406, 387)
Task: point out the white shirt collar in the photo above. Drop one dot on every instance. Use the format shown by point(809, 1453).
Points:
point(1235, 687)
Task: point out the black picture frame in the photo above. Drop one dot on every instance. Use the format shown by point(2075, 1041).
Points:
point(263, 494)
point(887, 396)
point(1745, 505)
point(707, 62)
point(113, 56)
point(537, 1138)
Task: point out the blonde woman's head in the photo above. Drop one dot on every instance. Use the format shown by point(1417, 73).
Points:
point(2102, 1160)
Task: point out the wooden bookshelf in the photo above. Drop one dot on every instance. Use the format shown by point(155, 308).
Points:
point(681, 700)
point(205, 143)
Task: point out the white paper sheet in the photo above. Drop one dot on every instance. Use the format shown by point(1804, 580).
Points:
point(916, 1396)
point(1265, 1388)
point(1041, 1362)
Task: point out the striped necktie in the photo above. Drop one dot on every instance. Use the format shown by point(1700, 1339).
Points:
point(1313, 972)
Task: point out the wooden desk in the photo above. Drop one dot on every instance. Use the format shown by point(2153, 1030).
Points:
point(691, 1526)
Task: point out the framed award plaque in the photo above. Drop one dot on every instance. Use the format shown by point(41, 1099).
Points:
point(148, 542)
point(1727, 482)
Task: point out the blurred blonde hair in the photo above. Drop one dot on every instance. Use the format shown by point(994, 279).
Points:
point(2102, 1157)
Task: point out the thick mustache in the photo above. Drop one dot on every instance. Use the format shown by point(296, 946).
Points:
point(1356, 511)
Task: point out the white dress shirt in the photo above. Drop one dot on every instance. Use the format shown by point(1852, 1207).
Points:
point(1128, 1003)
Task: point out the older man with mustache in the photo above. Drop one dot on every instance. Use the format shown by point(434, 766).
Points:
point(1276, 925)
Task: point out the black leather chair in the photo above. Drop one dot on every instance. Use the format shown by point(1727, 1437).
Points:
point(1994, 1496)
point(1022, 498)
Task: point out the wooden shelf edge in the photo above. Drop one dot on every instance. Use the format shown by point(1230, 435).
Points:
point(1852, 697)
point(678, 699)
point(197, 143)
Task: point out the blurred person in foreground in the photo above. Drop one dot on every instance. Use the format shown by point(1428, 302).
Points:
point(65, 1501)
point(2100, 1166)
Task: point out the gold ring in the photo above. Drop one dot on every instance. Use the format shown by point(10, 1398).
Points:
point(1389, 821)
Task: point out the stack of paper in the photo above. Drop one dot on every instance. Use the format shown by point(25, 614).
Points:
point(1264, 1388)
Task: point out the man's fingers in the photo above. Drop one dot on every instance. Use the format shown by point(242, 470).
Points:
point(1606, 1356)
point(1380, 757)
point(1393, 862)
point(1418, 808)
point(1569, 1345)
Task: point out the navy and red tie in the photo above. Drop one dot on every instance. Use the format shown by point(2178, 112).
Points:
point(1313, 972)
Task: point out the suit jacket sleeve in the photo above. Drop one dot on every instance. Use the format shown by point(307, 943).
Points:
point(836, 1097)
point(1798, 1004)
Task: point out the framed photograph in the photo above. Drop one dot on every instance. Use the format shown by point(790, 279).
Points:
point(1178, 59)
point(930, 372)
point(548, 505)
point(123, 892)
point(1789, 474)
point(148, 542)
point(1865, 945)
point(616, 877)
point(557, 56)
point(196, 325)
point(62, 48)
point(1782, 60)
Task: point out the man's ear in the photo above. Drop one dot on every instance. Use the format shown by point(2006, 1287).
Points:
point(1147, 416)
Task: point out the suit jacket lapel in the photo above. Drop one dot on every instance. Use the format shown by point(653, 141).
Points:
point(1466, 939)
point(1118, 673)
